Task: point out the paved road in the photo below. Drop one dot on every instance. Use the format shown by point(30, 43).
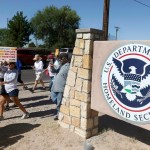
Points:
point(29, 76)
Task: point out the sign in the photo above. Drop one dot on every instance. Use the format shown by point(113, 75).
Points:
point(8, 54)
point(125, 82)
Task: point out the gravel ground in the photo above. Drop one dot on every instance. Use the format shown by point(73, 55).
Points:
point(41, 132)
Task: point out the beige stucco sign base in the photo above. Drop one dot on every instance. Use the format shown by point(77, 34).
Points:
point(102, 50)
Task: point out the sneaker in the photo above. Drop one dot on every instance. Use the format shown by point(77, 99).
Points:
point(24, 116)
point(56, 118)
point(7, 108)
point(32, 91)
point(14, 105)
point(25, 87)
point(44, 88)
point(1, 118)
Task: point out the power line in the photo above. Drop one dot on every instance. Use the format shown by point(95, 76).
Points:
point(142, 3)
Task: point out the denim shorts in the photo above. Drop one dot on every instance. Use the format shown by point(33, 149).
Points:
point(2, 88)
point(13, 93)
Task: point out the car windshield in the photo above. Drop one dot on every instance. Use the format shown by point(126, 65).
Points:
point(63, 50)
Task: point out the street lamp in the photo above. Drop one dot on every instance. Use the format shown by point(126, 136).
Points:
point(7, 22)
point(117, 29)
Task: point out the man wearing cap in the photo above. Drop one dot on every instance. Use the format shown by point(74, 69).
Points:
point(38, 67)
point(59, 82)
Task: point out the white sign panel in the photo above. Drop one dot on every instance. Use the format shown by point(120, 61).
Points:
point(8, 54)
point(126, 82)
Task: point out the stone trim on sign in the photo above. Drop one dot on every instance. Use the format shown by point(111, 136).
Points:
point(75, 112)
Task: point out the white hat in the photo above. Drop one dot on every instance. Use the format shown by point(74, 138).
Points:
point(37, 57)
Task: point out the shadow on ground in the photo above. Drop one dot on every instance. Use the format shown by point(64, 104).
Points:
point(38, 103)
point(107, 122)
point(10, 134)
point(43, 114)
point(35, 103)
point(34, 98)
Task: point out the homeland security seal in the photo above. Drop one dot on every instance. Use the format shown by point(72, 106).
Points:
point(126, 82)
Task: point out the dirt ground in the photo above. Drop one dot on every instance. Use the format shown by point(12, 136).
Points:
point(41, 132)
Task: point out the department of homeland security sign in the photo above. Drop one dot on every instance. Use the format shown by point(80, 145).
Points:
point(126, 82)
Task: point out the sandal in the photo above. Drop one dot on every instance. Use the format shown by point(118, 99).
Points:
point(7, 108)
point(32, 90)
point(1, 118)
point(25, 87)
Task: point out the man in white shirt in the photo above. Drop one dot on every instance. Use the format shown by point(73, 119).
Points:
point(38, 67)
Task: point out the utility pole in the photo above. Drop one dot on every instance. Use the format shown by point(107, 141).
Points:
point(7, 23)
point(117, 29)
point(106, 18)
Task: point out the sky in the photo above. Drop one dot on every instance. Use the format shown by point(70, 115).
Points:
point(132, 18)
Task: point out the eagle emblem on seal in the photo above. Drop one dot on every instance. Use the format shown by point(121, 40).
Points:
point(133, 84)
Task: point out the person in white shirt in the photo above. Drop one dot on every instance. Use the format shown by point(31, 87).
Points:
point(51, 73)
point(57, 64)
point(38, 67)
point(10, 84)
point(52, 69)
point(3, 69)
point(3, 94)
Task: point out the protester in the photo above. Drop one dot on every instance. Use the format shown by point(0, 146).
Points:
point(3, 95)
point(59, 83)
point(5, 66)
point(19, 68)
point(52, 69)
point(51, 73)
point(50, 58)
point(57, 64)
point(38, 67)
point(10, 84)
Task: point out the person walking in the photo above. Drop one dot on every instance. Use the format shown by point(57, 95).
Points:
point(38, 67)
point(10, 84)
point(57, 64)
point(3, 95)
point(59, 82)
point(19, 68)
point(52, 69)
point(51, 73)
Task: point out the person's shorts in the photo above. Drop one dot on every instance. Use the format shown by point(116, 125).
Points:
point(38, 76)
point(13, 93)
point(2, 88)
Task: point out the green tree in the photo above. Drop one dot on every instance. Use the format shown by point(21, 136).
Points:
point(4, 37)
point(56, 27)
point(31, 44)
point(19, 30)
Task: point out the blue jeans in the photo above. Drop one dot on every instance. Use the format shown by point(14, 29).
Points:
point(57, 99)
point(51, 82)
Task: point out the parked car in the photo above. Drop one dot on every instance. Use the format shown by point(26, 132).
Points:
point(68, 51)
point(26, 56)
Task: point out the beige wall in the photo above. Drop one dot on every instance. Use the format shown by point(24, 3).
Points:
point(102, 50)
